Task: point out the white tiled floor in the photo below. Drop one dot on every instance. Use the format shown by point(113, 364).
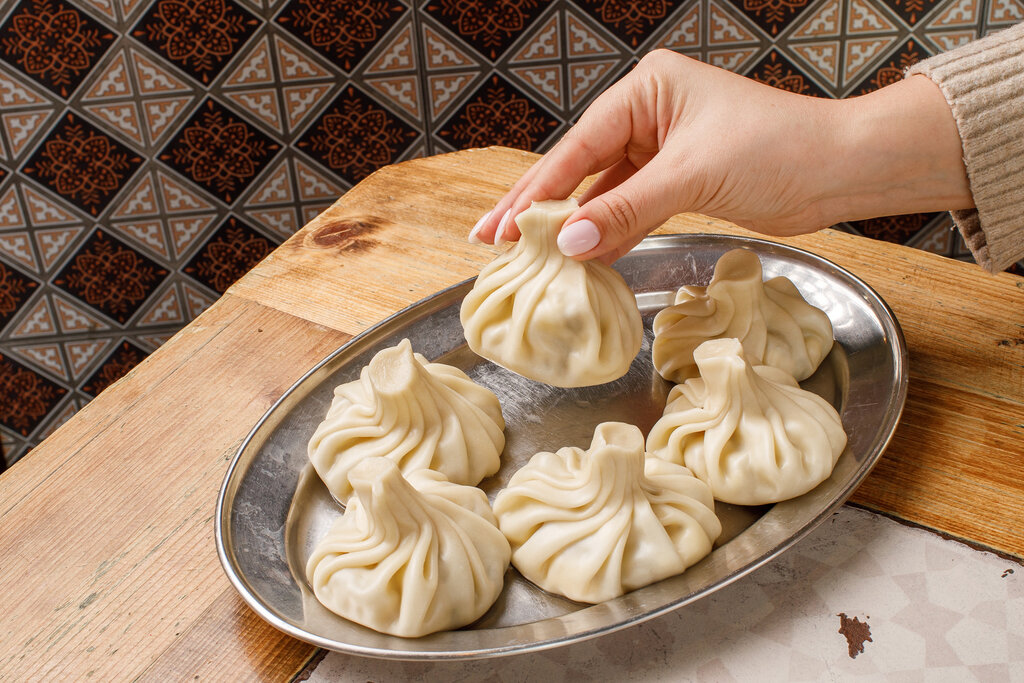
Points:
point(936, 610)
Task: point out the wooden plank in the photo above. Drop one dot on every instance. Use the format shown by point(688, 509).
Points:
point(113, 548)
point(256, 652)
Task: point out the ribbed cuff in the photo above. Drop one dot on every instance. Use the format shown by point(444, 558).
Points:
point(983, 82)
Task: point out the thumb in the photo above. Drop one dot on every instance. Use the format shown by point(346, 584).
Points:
point(613, 222)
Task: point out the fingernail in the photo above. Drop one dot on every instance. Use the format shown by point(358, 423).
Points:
point(473, 239)
point(499, 234)
point(578, 238)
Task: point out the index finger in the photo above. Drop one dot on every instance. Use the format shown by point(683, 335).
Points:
point(595, 143)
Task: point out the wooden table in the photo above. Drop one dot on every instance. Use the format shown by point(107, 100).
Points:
point(108, 568)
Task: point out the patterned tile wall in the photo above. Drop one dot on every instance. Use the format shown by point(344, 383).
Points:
point(151, 151)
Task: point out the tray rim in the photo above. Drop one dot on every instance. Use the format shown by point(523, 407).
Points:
point(443, 298)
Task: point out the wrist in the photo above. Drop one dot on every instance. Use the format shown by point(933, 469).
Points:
point(895, 151)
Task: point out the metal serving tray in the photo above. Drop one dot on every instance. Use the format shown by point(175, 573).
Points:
point(273, 508)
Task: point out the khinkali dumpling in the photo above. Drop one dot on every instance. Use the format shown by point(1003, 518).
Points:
point(548, 317)
point(751, 433)
point(411, 555)
point(421, 415)
point(592, 525)
point(774, 323)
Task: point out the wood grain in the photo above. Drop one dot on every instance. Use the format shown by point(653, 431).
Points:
point(106, 531)
point(107, 562)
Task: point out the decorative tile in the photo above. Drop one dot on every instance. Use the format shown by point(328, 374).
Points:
point(45, 356)
point(446, 89)
point(863, 17)
point(23, 127)
point(859, 53)
point(26, 396)
point(731, 58)
point(112, 81)
point(232, 251)
point(498, 113)
point(74, 318)
point(821, 21)
point(726, 29)
point(187, 231)
point(17, 247)
point(898, 229)
point(778, 72)
point(911, 11)
point(356, 135)
point(402, 93)
point(55, 243)
point(82, 353)
point(948, 40)
point(11, 215)
point(546, 80)
point(197, 37)
point(219, 151)
point(82, 164)
point(15, 93)
point(37, 321)
point(631, 22)
point(584, 40)
point(958, 14)
point(125, 357)
point(541, 45)
point(53, 43)
point(261, 105)
point(44, 211)
point(490, 28)
point(822, 57)
point(110, 276)
point(892, 68)
point(1005, 12)
point(16, 289)
point(586, 78)
point(442, 52)
point(343, 37)
point(772, 16)
point(399, 54)
point(254, 68)
point(121, 117)
point(179, 198)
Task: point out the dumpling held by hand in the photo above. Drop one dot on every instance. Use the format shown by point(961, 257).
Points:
point(751, 433)
point(548, 317)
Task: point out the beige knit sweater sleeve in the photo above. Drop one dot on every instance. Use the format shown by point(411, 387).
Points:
point(983, 82)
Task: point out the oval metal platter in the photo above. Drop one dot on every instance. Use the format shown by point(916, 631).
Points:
point(273, 508)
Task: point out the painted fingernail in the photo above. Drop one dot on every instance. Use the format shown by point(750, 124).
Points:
point(499, 234)
point(473, 239)
point(578, 238)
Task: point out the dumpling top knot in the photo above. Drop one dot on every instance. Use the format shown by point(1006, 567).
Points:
point(772, 321)
point(548, 317)
point(419, 414)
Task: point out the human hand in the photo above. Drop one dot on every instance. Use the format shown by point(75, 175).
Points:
point(677, 135)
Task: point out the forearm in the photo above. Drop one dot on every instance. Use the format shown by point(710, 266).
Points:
point(894, 151)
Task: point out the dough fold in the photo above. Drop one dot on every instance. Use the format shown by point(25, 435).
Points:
point(594, 524)
point(750, 432)
point(548, 317)
point(419, 414)
point(410, 556)
point(775, 324)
